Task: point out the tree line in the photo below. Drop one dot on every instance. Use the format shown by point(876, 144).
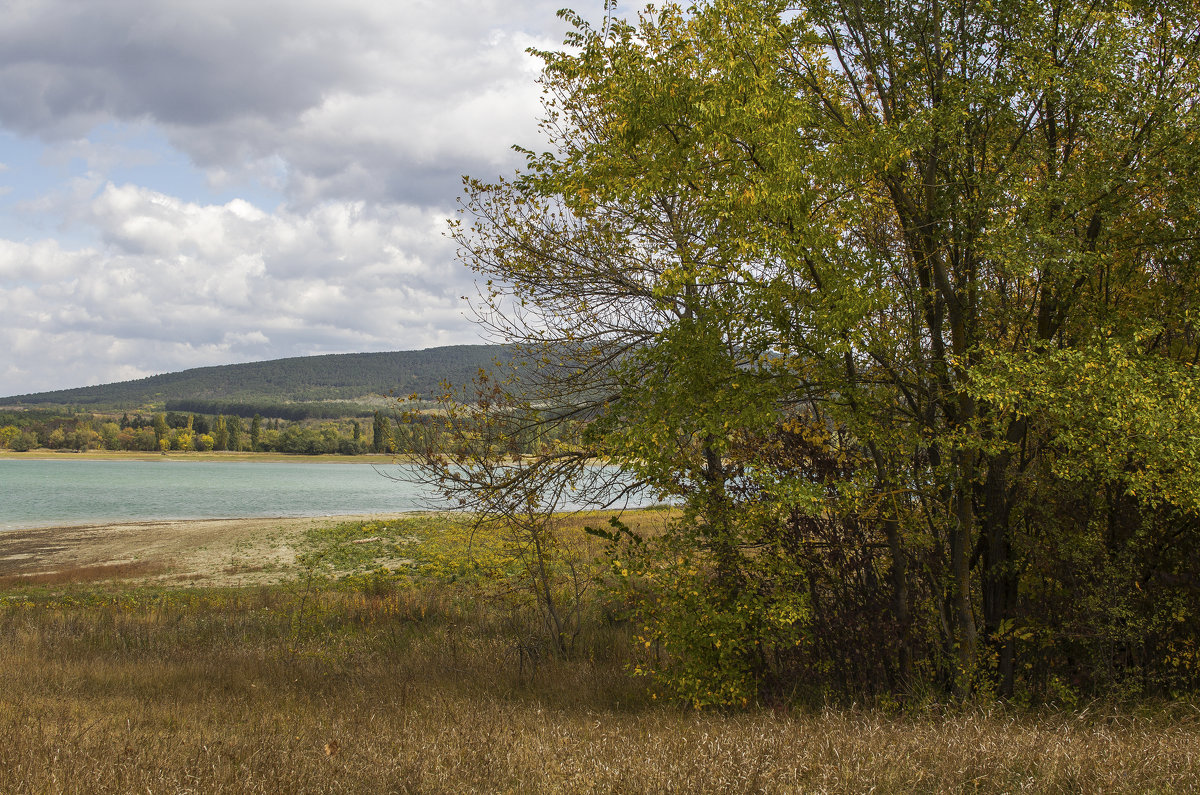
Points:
point(385, 432)
point(295, 412)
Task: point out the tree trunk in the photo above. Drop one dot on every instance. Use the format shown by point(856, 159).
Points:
point(960, 564)
point(899, 577)
point(999, 576)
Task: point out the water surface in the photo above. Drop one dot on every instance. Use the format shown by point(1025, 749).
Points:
point(42, 493)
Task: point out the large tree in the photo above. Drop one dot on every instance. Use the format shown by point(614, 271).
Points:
point(899, 299)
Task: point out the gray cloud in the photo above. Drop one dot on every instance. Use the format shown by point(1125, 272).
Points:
point(361, 114)
point(67, 65)
point(383, 100)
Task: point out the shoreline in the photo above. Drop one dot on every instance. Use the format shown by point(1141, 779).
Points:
point(101, 524)
point(202, 552)
point(45, 454)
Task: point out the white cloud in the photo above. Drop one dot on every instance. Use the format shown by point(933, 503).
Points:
point(179, 285)
point(351, 121)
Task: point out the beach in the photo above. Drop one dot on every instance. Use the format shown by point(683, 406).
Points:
point(214, 552)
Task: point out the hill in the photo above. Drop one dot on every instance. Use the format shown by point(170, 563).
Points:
point(347, 378)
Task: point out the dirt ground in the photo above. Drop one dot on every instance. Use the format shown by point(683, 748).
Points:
point(201, 551)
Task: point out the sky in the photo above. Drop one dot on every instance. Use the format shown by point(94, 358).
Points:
point(194, 182)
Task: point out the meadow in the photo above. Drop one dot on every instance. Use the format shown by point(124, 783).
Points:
point(399, 656)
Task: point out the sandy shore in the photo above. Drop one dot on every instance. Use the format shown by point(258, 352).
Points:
point(43, 454)
point(201, 551)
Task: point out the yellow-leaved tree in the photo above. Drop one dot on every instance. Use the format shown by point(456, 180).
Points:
point(898, 301)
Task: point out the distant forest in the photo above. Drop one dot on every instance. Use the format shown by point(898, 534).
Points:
point(391, 431)
point(308, 387)
point(343, 404)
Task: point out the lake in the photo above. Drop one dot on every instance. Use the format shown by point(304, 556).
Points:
point(45, 493)
point(42, 493)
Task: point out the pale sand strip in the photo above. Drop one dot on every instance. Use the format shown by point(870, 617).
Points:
point(203, 551)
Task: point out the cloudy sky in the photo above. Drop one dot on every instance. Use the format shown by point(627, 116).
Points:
point(196, 182)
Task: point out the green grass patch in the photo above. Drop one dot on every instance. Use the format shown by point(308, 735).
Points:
point(437, 548)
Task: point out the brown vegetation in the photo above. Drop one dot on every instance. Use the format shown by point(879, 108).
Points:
point(80, 574)
point(417, 685)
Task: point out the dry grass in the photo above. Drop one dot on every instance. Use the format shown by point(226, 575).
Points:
point(417, 686)
point(274, 690)
point(81, 574)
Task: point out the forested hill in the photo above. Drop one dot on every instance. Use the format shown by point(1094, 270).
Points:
point(348, 377)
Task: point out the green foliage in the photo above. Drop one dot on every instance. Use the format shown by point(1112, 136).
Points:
point(294, 412)
point(234, 425)
point(161, 429)
point(442, 548)
point(381, 433)
point(353, 547)
point(1119, 414)
point(899, 302)
point(707, 645)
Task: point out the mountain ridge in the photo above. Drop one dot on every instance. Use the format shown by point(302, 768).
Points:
point(344, 377)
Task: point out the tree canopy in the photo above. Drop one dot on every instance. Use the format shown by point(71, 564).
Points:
point(899, 302)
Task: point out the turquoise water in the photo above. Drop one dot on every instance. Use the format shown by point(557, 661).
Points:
point(41, 493)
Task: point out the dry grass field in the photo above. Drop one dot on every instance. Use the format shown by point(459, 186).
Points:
point(139, 680)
